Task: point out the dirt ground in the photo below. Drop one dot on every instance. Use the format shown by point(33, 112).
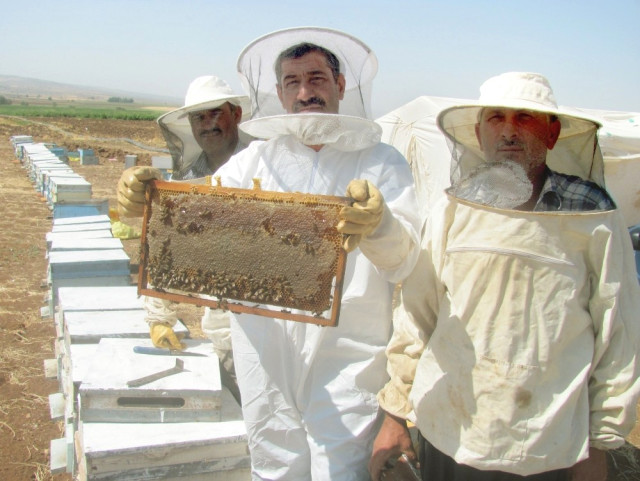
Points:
point(26, 338)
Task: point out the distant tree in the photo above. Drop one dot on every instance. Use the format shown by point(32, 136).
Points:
point(121, 100)
point(4, 100)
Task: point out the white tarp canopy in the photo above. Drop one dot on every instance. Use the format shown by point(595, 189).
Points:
point(413, 131)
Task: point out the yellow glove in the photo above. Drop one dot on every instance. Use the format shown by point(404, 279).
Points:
point(363, 216)
point(162, 335)
point(131, 187)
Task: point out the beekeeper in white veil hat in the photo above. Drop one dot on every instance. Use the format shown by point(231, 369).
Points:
point(350, 128)
point(572, 147)
point(188, 140)
point(308, 391)
point(515, 349)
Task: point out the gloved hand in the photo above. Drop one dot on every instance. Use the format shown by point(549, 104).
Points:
point(131, 187)
point(363, 216)
point(162, 335)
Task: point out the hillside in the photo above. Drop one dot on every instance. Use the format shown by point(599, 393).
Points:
point(14, 87)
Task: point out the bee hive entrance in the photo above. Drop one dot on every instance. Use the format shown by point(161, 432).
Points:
point(268, 253)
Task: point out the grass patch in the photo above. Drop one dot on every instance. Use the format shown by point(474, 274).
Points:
point(80, 110)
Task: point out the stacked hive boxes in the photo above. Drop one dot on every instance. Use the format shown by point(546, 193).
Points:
point(185, 426)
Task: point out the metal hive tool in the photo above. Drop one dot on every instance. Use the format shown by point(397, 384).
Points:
point(267, 253)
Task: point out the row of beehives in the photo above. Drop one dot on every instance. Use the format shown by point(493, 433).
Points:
point(48, 169)
point(185, 426)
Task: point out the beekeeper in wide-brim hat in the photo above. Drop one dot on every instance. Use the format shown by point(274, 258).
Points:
point(576, 151)
point(204, 93)
point(506, 300)
point(350, 129)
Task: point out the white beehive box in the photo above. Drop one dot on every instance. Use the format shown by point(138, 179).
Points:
point(89, 327)
point(80, 333)
point(88, 263)
point(43, 185)
point(192, 394)
point(99, 298)
point(81, 227)
point(35, 169)
point(70, 190)
point(85, 219)
point(202, 451)
point(73, 244)
point(85, 234)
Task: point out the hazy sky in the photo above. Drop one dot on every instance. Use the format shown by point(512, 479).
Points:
point(589, 50)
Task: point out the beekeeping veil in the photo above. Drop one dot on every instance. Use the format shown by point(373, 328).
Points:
point(505, 184)
point(204, 93)
point(351, 129)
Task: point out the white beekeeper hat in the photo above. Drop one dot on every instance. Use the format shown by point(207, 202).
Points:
point(204, 93)
point(576, 152)
point(351, 129)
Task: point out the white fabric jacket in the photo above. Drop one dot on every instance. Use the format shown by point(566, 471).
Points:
point(308, 392)
point(517, 344)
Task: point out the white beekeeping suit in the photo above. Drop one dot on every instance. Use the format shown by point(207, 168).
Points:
point(308, 392)
point(190, 164)
point(518, 328)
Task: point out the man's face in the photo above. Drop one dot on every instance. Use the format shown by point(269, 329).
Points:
point(216, 129)
point(521, 136)
point(307, 85)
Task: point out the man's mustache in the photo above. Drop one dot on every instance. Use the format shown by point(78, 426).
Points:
point(300, 104)
point(214, 130)
point(510, 143)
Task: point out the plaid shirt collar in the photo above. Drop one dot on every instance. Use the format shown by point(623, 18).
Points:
point(562, 192)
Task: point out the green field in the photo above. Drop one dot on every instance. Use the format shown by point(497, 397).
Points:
point(32, 107)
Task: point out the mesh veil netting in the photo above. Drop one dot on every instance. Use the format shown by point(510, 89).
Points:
point(351, 129)
point(505, 184)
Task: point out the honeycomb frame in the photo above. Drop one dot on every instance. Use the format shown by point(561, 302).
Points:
point(273, 254)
